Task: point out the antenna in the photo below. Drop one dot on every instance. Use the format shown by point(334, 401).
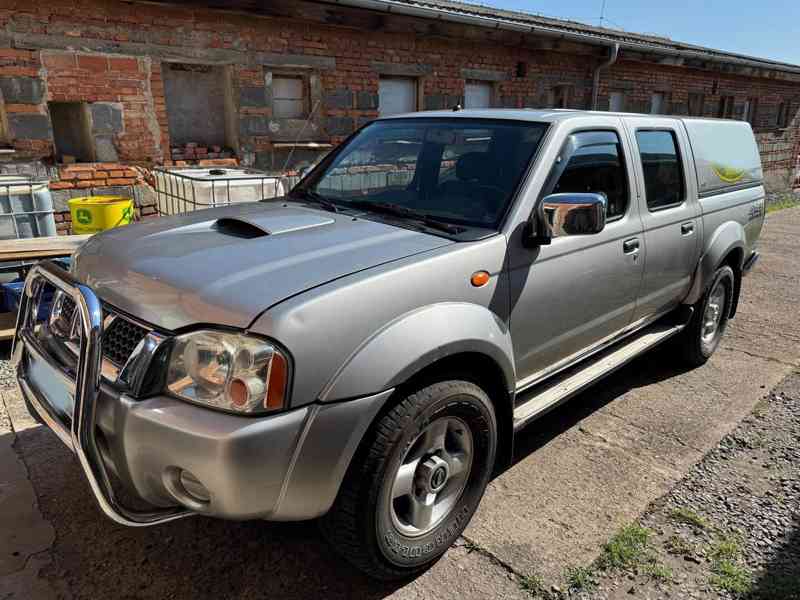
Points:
point(602, 12)
point(296, 140)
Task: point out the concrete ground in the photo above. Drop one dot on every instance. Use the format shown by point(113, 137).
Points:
point(581, 473)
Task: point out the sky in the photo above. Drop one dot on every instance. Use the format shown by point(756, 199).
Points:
point(761, 28)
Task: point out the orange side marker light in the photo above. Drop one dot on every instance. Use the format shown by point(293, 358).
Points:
point(479, 278)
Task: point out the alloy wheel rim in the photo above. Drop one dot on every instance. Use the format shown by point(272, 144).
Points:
point(712, 317)
point(431, 477)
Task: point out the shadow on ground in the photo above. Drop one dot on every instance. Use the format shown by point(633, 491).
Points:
point(780, 580)
point(206, 558)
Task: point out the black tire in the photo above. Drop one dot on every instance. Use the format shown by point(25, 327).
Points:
point(696, 349)
point(362, 524)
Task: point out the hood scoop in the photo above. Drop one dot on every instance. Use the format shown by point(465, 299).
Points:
point(255, 226)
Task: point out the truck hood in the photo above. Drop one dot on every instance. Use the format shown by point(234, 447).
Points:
point(225, 266)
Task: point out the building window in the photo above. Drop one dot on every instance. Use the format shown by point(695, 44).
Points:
point(616, 102)
point(72, 131)
point(289, 98)
point(658, 103)
point(477, 94)
point(397, 95)
point(751, 110)
point(783, 115)
point(725, 107)
point(696, 103)
point(560, 96)
point(661, 165)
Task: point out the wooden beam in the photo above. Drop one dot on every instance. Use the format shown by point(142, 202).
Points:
point(42, 247)
point(8, 324)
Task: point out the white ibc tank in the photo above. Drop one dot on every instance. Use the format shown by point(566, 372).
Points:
point(26, 208)
point(186, 189)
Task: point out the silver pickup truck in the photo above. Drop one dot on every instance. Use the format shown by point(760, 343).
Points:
point(366, 349)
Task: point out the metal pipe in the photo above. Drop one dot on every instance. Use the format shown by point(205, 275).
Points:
point(614, 53)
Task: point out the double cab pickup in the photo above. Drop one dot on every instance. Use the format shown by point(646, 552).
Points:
point(365, 349)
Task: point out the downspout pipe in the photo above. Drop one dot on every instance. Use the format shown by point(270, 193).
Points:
point(612, 58)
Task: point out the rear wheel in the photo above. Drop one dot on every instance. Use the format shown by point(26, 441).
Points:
point(710, 319)
point(416, 481)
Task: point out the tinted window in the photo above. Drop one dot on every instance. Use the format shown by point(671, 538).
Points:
point(457, 170)
point(597, 166)
point(661, 163)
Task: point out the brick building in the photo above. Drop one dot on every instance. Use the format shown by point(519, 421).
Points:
point(111, 85)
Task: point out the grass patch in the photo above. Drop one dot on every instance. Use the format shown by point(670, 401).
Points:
point(787, 201)
point(727, 548)
point(731, 577)
point(688, 517)
point(678, 546)
point(626, 549)
point(580, 579)
point(656, 570)
point(534, 586)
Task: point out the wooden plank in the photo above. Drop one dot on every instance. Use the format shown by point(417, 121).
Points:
point(8, 324)
point(42, 247)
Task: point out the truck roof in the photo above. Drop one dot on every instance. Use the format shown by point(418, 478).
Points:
point(546, 115)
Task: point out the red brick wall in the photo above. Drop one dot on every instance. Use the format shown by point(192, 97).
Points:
point(135, 82)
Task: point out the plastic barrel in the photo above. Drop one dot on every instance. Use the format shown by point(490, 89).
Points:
point(91, 214)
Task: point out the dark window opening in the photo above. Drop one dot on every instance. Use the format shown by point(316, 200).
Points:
point(783, 115)
point(725, 107)
point(597, 167)
point(661, 164)
point(696, 104)
point(561, 96)
point(72, 132)
point(196, 104)
point(751, 111)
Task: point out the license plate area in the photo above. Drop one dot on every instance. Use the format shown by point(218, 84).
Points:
point(51, 386)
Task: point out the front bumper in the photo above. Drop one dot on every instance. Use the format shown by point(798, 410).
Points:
point(180, 458)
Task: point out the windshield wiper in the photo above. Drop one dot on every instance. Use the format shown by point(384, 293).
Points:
point(397, 210)
point(317, 198)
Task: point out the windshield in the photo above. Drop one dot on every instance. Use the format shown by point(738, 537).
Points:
point(453, 170)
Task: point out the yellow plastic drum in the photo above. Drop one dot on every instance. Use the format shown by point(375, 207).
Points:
point(91, 214)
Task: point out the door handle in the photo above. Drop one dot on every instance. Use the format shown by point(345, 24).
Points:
point(630, 246)
point(687, 228)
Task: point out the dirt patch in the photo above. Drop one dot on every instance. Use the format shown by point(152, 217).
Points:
point(729, 529)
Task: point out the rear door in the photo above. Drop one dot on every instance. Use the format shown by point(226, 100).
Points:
point(669, 210)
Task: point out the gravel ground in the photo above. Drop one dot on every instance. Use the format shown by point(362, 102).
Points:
point(8, 380)
point(730, 529)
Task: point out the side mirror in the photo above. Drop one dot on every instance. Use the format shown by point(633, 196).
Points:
point(567, 214)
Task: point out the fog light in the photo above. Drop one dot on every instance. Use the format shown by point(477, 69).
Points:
point(193, 488)
point(186, 489)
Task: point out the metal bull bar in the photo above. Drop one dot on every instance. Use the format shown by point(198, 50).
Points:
point(79, 434)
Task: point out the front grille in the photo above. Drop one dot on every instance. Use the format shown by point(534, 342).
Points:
point(120, 340)
point(67, 308)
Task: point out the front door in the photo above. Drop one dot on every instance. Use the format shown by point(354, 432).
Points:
point(581, 289)
point(670, 213)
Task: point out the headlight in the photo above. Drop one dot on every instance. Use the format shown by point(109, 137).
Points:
point(230, 371)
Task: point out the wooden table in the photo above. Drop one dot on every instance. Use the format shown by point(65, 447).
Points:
point(33, 249)
point(39, 248)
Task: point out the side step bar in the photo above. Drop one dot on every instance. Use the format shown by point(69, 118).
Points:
point(549, 394)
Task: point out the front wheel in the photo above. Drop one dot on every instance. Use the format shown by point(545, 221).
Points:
point(417, 480)
point(710, 319)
